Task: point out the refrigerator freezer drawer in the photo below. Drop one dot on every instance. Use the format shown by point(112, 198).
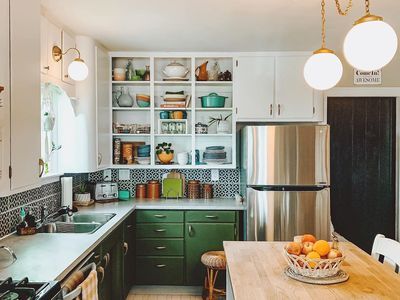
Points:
point(285, 155)
point(281, 215)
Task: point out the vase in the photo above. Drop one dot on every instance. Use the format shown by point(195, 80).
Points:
point(165, 158)
point(223, 127)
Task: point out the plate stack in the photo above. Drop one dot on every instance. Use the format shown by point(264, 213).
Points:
point(174, 100)
point(143, 155)
point(215, 155)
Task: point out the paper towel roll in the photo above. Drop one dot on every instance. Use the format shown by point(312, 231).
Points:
point(66, 191)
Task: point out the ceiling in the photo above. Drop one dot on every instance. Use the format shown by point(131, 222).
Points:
point(211, 25)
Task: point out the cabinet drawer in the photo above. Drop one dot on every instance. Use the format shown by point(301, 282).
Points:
point(159, 230)
point(211, 216)
point(159, 270)
point(159, 247)
point(159, 216)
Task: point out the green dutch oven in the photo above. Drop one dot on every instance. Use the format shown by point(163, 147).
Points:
point(213, 100)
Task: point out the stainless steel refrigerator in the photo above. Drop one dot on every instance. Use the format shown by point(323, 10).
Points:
point(285, 180)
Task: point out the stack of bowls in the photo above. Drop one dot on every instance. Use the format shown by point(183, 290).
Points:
point(143, 155)
point(215, 155)
point(143, 100)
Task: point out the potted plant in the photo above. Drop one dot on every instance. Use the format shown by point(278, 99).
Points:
point(164, 153)
point(82, 195)
point(222, 124)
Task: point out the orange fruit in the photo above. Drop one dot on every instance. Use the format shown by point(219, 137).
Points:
point(293, 248)
point(313, 255)
point(308, 238)
point(322, 247)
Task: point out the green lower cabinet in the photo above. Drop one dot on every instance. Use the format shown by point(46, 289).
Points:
point(200, 238)
point(160, 230)
point(159, 270)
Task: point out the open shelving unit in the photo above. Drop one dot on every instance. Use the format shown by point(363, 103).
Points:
point(156, 87)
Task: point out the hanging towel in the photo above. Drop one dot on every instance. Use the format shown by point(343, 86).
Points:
point(89, 287)
point(73, 281)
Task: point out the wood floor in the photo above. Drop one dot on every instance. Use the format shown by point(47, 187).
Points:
point(162, 297)
point(165, 293)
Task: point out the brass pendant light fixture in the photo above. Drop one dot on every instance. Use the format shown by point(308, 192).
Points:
point(371, 44)
point(323, 69)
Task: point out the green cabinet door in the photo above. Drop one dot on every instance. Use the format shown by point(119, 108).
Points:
point(129, 253)
point(200, 238)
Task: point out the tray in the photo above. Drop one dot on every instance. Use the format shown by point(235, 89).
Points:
point(340, 277)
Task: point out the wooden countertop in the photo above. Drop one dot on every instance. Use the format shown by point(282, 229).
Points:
point(256, 272)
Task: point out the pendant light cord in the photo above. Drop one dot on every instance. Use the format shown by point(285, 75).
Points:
point(347, 9)
point(323, 18)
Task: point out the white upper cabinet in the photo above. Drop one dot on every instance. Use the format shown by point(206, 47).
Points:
point(103, 108)
point(294, 99)
point(44, 66)
point(67, 42)
point(25, 92)
point(254, 87)
point(272, 88)
point(53, 39)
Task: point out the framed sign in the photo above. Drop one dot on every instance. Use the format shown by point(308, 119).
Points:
point(367, 77)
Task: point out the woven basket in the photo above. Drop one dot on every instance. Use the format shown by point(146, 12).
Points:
point(314, 268)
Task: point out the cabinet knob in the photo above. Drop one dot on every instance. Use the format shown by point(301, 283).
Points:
point(41, 167)
point(66, 76)
point(1, 88)
point(47, 68)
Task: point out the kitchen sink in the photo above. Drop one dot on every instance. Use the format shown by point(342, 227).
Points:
point(64, 227)
point(101, 218)
point(77, 223)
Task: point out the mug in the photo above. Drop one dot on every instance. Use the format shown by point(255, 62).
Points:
point(183, 158)
point(164, 115)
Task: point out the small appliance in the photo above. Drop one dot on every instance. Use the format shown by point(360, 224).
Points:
point(104, 191)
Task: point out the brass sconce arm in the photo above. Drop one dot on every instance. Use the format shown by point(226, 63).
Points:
point(58, 54)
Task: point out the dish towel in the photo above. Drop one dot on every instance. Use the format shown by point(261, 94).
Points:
point(89, 287)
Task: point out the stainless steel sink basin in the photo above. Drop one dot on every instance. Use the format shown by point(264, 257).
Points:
point(101, 218)
point(77, 223)
point(63, 227)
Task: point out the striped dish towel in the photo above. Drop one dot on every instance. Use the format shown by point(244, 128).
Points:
point(89, 287)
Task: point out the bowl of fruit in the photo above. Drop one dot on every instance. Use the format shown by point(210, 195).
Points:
point(314, 258)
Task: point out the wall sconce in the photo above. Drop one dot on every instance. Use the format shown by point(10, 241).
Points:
point(77, 69)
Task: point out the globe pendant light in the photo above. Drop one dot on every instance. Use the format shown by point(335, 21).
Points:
point(371, 44)
point(323, 69)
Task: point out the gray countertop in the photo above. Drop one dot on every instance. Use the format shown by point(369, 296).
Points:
point(45, 256)
point(188, 204)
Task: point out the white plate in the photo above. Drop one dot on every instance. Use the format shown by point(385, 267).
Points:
point(176, 96)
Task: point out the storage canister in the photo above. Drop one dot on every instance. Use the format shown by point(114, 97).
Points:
point(207, 191)
point(153, 189)
point(193, 189)
point(141, 191)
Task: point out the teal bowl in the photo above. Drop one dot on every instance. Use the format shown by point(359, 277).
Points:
point(141, 103)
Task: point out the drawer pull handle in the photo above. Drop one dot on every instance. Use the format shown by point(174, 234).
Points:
point(211, 217)
point(129, 226)
point(160, 248)
point(161, 266)
point(160, 230)
point(160, 216)
point(126, 248)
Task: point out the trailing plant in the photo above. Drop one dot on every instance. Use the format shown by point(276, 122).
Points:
point(164, 147)
point(218, 119)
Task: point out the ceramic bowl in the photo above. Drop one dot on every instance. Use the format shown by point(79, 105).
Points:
point(142, 103)
point(175, 69)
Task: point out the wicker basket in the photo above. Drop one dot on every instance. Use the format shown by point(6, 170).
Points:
point(314, 268)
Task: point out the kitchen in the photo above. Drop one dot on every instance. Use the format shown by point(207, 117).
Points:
point(163, 150)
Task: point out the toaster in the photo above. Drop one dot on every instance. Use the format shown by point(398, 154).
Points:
point(103, 191)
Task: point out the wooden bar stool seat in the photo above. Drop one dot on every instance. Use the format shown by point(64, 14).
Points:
point(214, 261)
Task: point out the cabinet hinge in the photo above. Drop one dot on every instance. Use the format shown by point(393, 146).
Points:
point(9, 172)
point(237, 63)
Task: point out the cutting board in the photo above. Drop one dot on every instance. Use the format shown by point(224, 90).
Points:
point(172, 187)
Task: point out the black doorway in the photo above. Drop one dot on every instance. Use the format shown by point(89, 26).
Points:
point(363, 188)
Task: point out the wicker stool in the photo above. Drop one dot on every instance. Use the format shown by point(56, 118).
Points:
point(214, 261)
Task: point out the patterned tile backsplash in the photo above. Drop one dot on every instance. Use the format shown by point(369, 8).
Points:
point(50, 194)
point(226, 187)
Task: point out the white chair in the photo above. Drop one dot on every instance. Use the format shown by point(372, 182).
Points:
point(388, 250)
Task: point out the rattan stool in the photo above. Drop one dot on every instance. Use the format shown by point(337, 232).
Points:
point(214, 261)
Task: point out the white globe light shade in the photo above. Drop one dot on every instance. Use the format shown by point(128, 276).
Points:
point(78, 70)
point(370, 45)
point(323, 71)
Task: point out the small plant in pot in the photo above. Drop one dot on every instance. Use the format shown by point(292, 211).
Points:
point(82, 195)
point(223, 126)
point(165, 153)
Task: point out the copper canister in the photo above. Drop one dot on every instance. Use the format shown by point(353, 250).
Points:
point(127, 153)
point(141, 191)
point(207, 191)
point(153, 189)
point(193, 189)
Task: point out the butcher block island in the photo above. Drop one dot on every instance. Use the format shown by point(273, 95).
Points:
point(255, 270)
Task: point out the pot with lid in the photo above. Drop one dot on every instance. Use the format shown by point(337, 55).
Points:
point(213, 100)
point(175, 69)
